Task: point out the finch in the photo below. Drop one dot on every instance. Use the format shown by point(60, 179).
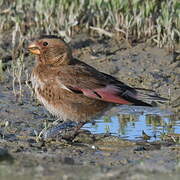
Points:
point(72, 90)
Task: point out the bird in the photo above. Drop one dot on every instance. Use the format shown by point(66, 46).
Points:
point(72, 90)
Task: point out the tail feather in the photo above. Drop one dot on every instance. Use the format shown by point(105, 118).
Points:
point(149, 95)
point(142, 97)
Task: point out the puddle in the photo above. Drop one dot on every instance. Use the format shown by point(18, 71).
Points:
point(130, 121)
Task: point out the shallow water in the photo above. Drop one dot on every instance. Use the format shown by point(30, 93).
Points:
point(129, 122)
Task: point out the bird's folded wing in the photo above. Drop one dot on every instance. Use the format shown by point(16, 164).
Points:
point(91, 83)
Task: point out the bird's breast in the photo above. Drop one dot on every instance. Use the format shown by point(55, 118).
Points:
point(45, 96)
point(36, 82)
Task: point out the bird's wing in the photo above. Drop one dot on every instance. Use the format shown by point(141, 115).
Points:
point(88, 81)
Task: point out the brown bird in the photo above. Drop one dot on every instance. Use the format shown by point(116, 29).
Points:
point(72, 90)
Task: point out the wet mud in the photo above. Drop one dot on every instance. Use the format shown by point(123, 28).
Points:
point(90, 155)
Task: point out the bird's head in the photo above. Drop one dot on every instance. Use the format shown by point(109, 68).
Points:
point(51, 50)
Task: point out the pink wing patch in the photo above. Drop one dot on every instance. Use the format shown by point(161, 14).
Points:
point(110, 94)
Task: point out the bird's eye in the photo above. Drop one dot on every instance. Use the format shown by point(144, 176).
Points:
point(45, 43)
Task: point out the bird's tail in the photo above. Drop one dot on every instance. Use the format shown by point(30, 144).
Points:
point(148, 96)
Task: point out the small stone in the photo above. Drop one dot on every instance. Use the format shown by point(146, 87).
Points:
point(140, 148)
point(31, 141)
point(68, 160)
point(4, 154)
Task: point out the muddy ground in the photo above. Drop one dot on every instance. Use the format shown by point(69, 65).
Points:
point(89, 156)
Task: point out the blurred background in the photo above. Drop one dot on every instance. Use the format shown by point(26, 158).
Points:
point(153, 20)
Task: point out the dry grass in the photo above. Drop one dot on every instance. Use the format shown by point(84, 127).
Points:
point(156, 20)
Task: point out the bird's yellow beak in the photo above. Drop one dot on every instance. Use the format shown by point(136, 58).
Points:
point(34, 48)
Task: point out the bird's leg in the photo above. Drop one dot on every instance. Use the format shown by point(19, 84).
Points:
point(77, 128)
point(70, 135)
